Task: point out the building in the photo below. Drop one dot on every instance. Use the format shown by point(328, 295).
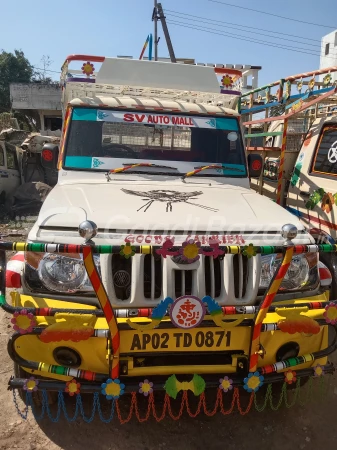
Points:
point(44, 100)
point(329, 53)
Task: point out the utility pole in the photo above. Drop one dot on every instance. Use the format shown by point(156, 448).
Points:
point(155, 19)
point(161, 17)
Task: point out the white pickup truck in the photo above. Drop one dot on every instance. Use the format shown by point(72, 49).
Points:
point(181, 259)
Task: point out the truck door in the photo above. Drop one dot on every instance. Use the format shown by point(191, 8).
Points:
point(3, 173)
point(313, 188)
point(13, 180)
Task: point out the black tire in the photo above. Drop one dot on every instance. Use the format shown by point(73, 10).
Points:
point(19, 372)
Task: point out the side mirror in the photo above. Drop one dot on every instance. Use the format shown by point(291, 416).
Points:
point(255, 165)
point(49, 156)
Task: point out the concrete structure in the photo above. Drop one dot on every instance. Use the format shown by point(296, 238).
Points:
point(329, 53)
point(43, 98)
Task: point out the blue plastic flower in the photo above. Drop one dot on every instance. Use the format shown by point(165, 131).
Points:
point(112, 389)
point(253, 382)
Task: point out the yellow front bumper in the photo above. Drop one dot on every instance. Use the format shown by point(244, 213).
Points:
point(138, 349)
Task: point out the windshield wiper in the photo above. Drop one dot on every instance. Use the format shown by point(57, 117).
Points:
point(130, 166)
point(211, 166)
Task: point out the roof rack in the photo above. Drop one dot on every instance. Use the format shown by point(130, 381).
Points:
point(205, 84)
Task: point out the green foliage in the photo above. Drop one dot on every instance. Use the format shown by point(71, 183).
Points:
point(14, 68)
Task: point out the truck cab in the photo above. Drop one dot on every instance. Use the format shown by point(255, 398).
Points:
point(10, 173)
point(153, 232)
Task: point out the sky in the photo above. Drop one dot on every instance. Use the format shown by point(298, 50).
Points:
point(111, 28)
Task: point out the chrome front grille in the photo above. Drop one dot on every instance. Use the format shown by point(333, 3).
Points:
point(144, 280)
point(213, 271)
point(184, 282)
point(152, 279)
point(241, 275)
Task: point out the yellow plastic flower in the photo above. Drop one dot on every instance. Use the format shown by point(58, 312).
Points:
point(127, 250)
point(227, 81)
point(190, 251)
point(88, 68)
point(249, 251)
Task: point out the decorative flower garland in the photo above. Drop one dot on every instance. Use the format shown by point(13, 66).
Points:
point(226, 392)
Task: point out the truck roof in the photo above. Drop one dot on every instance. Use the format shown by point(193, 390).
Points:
point(152, 104)
point(178, 84)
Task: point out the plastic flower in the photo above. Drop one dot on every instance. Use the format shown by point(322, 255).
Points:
point(318, 370)
point(31, 384)
point(112, 389)
point(330, 314)
point(327, 79)
point(227, 81)
point(166, 248)
point(253, 382)
point(146, 387)
point(327, 202)
point(335, 199)
point(311, 83)
point(226, 384)
point(249, 250)
point(127, 250)
point(23, 322)
point(72, 387)
point(190, 251)
point(300, 85)
point(88, 68)
point(290, 376)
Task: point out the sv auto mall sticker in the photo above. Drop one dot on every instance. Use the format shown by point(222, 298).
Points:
point(187, 312)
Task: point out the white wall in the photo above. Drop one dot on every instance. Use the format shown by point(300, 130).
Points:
point(35, 96)
point(330, 59)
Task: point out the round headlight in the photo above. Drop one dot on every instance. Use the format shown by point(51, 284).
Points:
point(62, 274)
point(298, 274)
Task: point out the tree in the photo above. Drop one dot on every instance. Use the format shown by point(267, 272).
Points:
point(40, 75)
point(14, 68)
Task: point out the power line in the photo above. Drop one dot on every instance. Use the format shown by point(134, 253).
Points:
point(45, 70)
point(207, 30)
point(270, 14)
point(245, 26)
point(211, 22)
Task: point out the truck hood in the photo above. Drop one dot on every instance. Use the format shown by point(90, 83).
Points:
point(149, 207)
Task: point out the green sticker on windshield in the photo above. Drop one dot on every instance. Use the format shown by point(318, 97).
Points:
point(228, 124)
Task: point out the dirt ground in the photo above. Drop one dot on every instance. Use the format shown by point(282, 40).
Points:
point(309, 427)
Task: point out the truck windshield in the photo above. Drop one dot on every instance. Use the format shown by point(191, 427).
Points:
point(105, 139)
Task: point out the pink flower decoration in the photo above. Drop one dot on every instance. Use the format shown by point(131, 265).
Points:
point(216, 250)
point(23, 321)
point(318, 370)
point(165, 250)
point(330, 314)
point(226, 384)
point(190, 251)
point(31, 385)
point(146, 388)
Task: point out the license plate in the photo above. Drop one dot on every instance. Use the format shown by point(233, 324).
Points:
point(176, 340)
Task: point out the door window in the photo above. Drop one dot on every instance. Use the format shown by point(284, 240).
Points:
point(325, 161)
point(12, 162)
point(2, 156)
